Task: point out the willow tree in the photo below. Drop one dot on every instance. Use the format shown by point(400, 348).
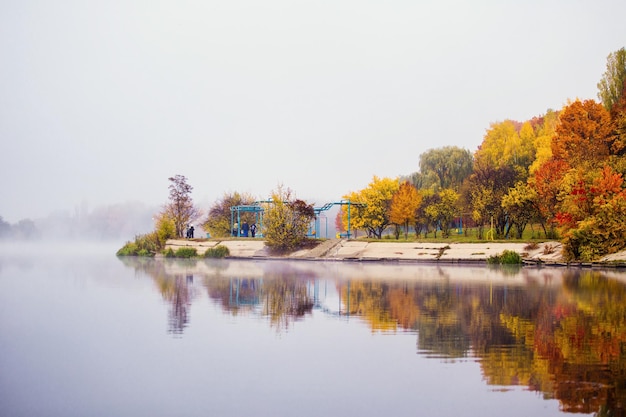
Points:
point(611, 86)
point(445, 167)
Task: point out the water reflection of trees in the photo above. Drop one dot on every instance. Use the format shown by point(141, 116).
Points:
point(178, 292)
point(567, 341)
point(176, 289)
point(283, 297)
point(279, 293)
point(561, 333)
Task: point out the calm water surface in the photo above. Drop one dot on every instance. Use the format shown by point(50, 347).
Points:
point(94, 335)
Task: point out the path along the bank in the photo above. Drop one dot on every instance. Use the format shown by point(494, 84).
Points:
point(355, 250)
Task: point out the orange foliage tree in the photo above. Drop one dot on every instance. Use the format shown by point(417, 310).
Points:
point(584, 134)
point(593, 215)
point(547, 181)
point(404, 204)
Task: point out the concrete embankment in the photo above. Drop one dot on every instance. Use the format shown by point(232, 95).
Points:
point(355, 250)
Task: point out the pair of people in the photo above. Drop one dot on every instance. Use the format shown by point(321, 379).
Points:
point(190, 230)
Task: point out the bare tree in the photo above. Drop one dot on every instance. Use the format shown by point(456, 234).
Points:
point(180, 207)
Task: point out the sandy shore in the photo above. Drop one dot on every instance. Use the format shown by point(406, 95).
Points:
point(354, 250)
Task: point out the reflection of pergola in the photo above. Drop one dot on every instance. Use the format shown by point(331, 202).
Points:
point(258, 210)
point(250, 293)
point(244, 291)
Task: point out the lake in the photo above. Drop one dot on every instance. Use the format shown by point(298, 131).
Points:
point(94, 335)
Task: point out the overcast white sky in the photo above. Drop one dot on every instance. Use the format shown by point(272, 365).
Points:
point(102, 101)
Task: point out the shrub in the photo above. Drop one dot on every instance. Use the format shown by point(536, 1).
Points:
point(144, 245)
point(165, 228)
point(548, 249)
point(219, 251)
point(169, 253)
point(129, 249)
point(286, 222)
point(186, 253)
point(508, 257)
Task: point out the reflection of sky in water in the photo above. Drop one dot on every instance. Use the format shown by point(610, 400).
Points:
point(92, 336)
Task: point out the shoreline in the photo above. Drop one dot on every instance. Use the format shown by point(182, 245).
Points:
point(416, 252)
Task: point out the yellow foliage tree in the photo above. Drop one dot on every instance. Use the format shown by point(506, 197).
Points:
point(508, 144)
point(351, 212)
point(543, 140)
point(165, 228)
point(404, 204)
point(443, 209)
point(373, 216)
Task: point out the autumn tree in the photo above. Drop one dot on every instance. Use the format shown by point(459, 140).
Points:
point(521, 205)
point(286, 221)
point(544, 131)
point(547, 181)
point(583, 135)
point(180, 208)
point(376, 198)
point(339, 222)
point(484, 192)
point(404, 204)
point(442, 209)
point(611, 86)
point(422, 220)
point(218, 221)
point(164, 227)
point(593, 215)
point(509, 144)
point(352, 213)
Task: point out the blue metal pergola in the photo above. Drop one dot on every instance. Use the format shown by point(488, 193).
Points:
point(255, 208)
point(258, 210)
point(328, 206)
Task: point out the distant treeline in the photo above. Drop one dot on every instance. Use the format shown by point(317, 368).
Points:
point(109, 222)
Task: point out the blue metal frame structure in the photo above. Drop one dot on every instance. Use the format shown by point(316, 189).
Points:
point(254, 208)
point(328, 206)
point(258, 210)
